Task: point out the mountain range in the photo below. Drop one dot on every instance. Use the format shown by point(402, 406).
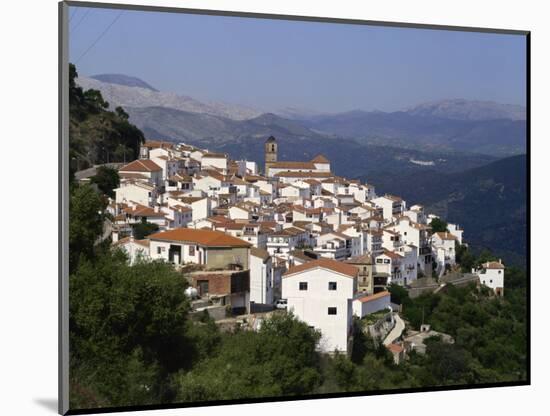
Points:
point(454, 125)
point(125, 91)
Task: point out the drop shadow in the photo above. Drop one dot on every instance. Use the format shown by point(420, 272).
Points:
point(50, 404)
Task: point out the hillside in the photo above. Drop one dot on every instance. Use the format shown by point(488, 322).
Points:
point(245, 139)
point(454, 125)
point(460, 109)
point(96, 134)
point(424, 130)
point(489, 202)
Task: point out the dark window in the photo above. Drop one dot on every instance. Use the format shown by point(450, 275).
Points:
point(158, 250)
point(386, 261)
point(331, 285)
point(191, 250)
point(303, 286)
point(332, 310)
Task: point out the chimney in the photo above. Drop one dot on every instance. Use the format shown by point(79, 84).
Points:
point(500, 261)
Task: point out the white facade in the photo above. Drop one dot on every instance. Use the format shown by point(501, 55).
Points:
point(367, 304)
point(311, 299)
point(491, 274)
point(141, 193)
point(261, 280)
point(135, 249)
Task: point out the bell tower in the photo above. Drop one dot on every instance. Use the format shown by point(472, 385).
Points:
point(270, 152)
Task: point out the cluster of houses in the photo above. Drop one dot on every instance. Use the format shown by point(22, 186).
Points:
point(294, 231)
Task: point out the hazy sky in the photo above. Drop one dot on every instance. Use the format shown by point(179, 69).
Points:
point(272, 64)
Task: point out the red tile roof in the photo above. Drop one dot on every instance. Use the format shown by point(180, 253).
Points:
point(207, 238)
point(141, 165)
point(323, 263)
point(320, 159)
point(370, 298)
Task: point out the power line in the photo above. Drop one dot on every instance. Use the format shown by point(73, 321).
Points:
point(80, 21)
point(100, 36)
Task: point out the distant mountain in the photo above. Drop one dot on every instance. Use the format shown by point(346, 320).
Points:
point(126, 96)
point(489, 202)
point(121, 79)
point(460, 109)
point(245, 139)
point(294, 113)
point(444, 126)
point(414, 129)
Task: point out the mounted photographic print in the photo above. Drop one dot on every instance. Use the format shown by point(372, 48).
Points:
point(268, 208)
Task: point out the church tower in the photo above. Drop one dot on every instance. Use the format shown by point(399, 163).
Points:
point(270, 152)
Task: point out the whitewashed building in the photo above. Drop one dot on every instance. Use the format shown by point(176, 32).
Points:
point(261, 279)
point(491, 274)
point(320, 293)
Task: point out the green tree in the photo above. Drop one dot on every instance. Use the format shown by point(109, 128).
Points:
point(85, 223)
point(128, 331)
point(97, 135)
point(438, 225)
point(107, 180)
point(143, 229)
point(279, 359)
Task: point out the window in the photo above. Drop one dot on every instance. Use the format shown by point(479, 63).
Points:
point(158, 250)
point(386, 261)
point(303, 285)
point(379, 261)
point(332, 310)
point(331, 285)
point(191, 250)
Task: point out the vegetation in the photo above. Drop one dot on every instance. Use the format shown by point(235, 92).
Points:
point(143, 229)
point(107, 180)
point(97, 135)
point(438, 225)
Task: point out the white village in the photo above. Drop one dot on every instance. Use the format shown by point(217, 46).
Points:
point(290, 235)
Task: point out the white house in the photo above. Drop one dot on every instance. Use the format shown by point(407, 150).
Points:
point(443, 250)
point(261, 280)
point(214, 160)
point(391, 205)
point(140, 192)
point(135, 249)
point(214, 249)
point(365, 304)
point(283, 241)
point(491, 274)
point(144, 167)
point(320, 293)
point(455, 230)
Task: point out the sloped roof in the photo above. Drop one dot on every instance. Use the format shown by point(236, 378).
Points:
point(260, 253)
point(323, 263)
point(370, 298)
point(320, 159)
point(141, 165)
point(493, 265)
point(292, 165)
point(206, 238)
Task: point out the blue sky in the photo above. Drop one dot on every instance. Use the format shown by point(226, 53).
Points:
point(272, 64)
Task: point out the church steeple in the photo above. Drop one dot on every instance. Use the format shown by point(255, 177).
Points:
point(270, 153)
